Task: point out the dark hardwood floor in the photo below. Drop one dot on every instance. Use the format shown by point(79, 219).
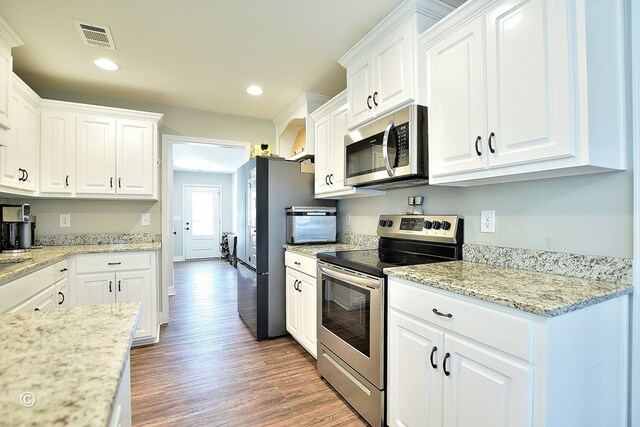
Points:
point(208, 370)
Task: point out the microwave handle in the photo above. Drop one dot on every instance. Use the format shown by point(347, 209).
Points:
point(385, 146)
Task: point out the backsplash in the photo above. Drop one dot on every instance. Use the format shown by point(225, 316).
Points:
point(608, 269)
point(602, 268)
point(97, 239)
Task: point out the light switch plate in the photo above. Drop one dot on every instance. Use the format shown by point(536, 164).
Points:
point(65, 220)
point(145, 219)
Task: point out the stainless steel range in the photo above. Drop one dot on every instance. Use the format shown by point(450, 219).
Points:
point(352, 290)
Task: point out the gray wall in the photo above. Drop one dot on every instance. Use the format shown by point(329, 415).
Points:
point(588, 214)
point(118, 216)
point(228, 207)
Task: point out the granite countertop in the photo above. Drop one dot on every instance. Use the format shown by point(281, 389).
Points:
point(538, 293)
point(313, 250)
point(14, 266)
point(63, 366)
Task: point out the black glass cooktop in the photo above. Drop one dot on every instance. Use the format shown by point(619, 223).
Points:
point(374, 261)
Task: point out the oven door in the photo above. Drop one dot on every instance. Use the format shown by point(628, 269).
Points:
point(351, 319)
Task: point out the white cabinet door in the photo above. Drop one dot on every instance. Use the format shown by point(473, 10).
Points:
point(359, 91)
point(528, 82)
point(94, 289)
point(57, 152)
point(393, 69)
point(95, 155)
point(485, 389)
point(323, 156)
point(134, 153)
point(292, 303)
point(308, 312)
point(24, 307)
point(457, 117)
point(336, 152)
point(28, 141)
point(136, 286)
point(10, 170)
point(6, 71)
point(414, 388)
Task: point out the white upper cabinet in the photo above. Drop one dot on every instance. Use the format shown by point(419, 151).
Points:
point(381, 67)
point(19, 155)
point(517, 90)
point(8, 40)
point(98, 152)
point(330, 130)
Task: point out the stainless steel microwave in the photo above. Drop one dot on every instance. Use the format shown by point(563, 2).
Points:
point(390, 151)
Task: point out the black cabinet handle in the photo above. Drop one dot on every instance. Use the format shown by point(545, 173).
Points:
point(326, 179)
point(296, 262)
point(433, 351)
point(175, 234)
point(63, 270)
point(66, 180)
point(114, 263)
point(374, 98)
point(449, 315)
point(331, 179)
point(110, 283)
point(444, 364)
point(478, 141)
point(21, 177)
point(119, 183)
point(111, 182)
point(36, 309)
point(62, 295)
point(492, 136)
point(295, 284)
point(369, 103)
point(119, 282)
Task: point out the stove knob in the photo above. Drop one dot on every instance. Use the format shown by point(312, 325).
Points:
point(436, 225)
point(389, 223)
point(428, 224)
point(446, 225)
point(382, 223)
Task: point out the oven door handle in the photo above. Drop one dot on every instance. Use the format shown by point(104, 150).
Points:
point(352, 279)
point(385, 148)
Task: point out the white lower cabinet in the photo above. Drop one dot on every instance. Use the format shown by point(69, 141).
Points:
point(301, 300)
point(119, 277)
point(121, 412)
point(488, 365)
point(37, 291)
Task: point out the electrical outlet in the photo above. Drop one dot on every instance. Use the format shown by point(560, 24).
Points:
point(65, 220)
point(347, 219)
point(488, 221)
point(145, 219)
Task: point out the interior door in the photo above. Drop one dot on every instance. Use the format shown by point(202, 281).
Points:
point(202, 221)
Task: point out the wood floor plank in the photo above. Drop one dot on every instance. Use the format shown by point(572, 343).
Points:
point(208, 370)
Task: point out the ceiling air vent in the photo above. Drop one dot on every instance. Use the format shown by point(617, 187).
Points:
point(95, 35)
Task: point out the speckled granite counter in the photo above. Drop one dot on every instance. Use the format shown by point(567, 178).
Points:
point(313, 250)
point(539, 293)
point(36, 259)
point(69, 360)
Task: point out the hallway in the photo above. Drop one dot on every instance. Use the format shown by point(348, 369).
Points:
point(208, 370)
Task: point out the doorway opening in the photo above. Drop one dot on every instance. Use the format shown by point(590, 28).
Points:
point(197, 162)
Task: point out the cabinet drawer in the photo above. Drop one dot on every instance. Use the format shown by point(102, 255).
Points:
point(501, 330)
point(304, 263)
point(113, 262)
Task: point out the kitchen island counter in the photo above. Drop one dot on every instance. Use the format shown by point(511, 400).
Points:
point(64, 366)
point(543, 294)
point(15, 266)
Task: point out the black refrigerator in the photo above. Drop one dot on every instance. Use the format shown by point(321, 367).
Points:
point(266, 186)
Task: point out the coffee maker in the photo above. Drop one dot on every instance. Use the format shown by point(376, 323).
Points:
point(17, 227)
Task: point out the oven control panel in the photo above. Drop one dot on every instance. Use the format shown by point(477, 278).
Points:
point(433, 228)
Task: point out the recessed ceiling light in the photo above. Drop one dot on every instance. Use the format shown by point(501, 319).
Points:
point(106, 64)
point(254, 90)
